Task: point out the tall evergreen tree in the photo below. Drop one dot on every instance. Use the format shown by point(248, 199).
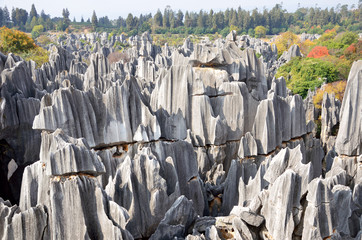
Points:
point(166, 17)
point(234, 19)
point(200, 20)
point(180, 18)
point(172, 20)
point(66, 20)
point(33, 13)
point(94, 20)
point(19, 17)
point(1, 17)
point(6, 16)
point(188, 21)
point(157, 19)
point(43, 15)
point(129, 22)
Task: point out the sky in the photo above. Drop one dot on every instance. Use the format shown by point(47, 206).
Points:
point(115, 8)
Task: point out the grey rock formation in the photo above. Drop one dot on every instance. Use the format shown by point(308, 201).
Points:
point(247, 146)
point(290, 159)
point(242, 231)
point(307, 36)
point(330, 116)
point(65, 155)
point(177, 220)
point(292, 52)
point(84, 197)
point(140, 188)
point(342, 196)
point(78, 112)
point(263, 133)
point(18, 107)
point(320, 218)
point(198, 142)
point(349, 138)
point(247, 215)
point(71, 197)
point(21, 225)
point(251, 187)
point(96, 72)
point(282, 210)
point(312, 113)
point(231, 194)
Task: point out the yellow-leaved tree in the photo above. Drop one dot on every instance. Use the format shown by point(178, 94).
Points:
point(15, 41)
point(285, 40)
point(19, 43)
point(337, 88)
point(306, 46)
point(260, 31)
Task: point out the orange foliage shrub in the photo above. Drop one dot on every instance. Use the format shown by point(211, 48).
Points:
point(350, 50)
point(337, 88)
point(354, 51)
point(318, 52)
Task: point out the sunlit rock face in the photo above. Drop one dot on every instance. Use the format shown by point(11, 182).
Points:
point(198, 141)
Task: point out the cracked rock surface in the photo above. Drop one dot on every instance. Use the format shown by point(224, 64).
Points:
point(192, 142)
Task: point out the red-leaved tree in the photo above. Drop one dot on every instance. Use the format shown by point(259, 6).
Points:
point(318, 52)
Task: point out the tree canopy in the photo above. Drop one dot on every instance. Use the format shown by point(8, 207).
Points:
point(255, 22)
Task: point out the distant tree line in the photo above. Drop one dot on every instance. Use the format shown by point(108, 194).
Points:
point(273, 21)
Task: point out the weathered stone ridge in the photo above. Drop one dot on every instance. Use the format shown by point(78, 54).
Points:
point(198, 141)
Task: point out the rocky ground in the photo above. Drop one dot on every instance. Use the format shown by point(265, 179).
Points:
point(194, 142)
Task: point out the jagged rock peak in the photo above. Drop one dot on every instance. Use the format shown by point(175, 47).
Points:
point(349, 138)
point(64, 155)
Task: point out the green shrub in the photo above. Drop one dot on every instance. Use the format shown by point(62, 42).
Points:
point(37, 30)
point(307, 73)
point(38, 55)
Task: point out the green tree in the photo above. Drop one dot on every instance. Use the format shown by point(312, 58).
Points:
point(234, 19)
point(307, 73)
point(260, 31)
point(166, 17)
point(157, 19)
point(66, 20)
point(180, 17)
point(19, 17)
point(251, 32)
point(348, 38)
point(172, 20)
point(43, 15)
point(33, 13)
point(129, 22)
point(201, 20)
point(94, 20)
point(1, 17)
point(6, 17)
point(188, 20)
point(33, 22)
point(37, 30)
